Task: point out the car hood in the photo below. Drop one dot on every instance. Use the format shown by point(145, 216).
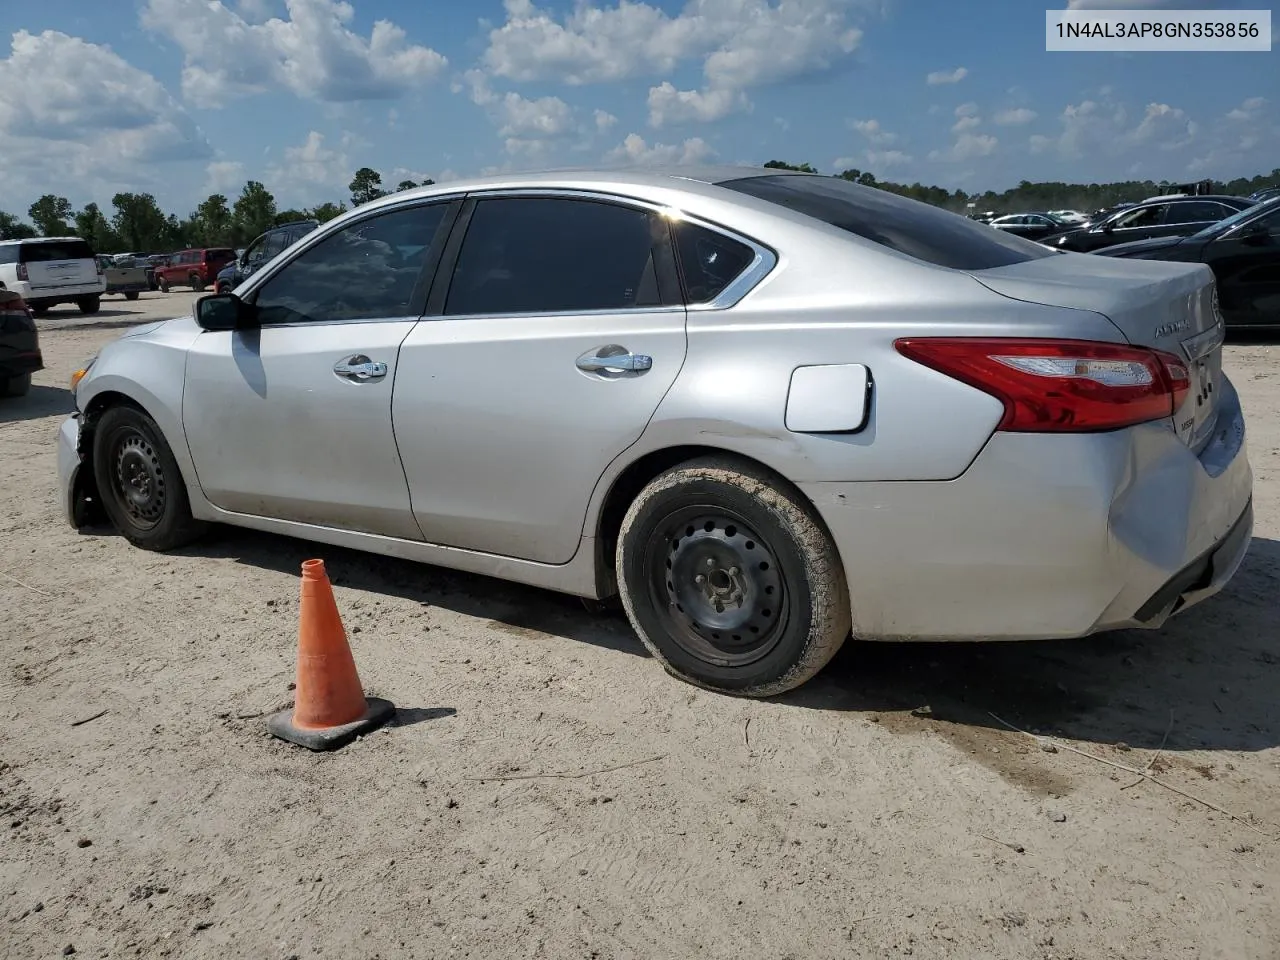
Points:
point(1139, 247)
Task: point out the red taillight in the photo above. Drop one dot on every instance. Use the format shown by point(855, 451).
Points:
point(1060, 385)
point(22, 272)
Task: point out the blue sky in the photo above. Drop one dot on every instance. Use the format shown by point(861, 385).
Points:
point(186, 97)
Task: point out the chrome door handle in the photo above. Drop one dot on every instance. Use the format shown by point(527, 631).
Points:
point(360, 368)
point(621, 362)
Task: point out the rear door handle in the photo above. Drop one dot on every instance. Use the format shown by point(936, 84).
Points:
point(360, 368)
point(615, 360)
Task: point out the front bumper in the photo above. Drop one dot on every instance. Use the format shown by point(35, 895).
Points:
point(1048, 536)
point(69, 470)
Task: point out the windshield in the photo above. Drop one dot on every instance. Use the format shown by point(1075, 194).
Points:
point(1222, 226)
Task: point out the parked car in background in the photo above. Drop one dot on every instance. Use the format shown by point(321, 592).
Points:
point(196, 269)
point(1069, 216)
point(1244, 253)
point(1033, 226)
point(19, 345)
point(1266, 193)
point(263, 249)
point(769, 409)
point(47, 271)
point(1158, 217)
point(123, 277)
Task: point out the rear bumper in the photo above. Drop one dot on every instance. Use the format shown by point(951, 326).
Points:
point(1048, 536)
point(62, 293)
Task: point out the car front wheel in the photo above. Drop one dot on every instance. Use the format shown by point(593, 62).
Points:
point(139, 481)
point(89, 304)
point(730, 580)
point(18, 386)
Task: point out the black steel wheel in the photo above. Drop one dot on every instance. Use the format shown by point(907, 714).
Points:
point(730, 580)
point(139, 482)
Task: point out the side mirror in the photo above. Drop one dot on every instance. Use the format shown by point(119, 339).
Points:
point(1256, 235)
point(223, 311)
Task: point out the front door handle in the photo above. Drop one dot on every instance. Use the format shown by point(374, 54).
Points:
point(614, 359)
point(360, 368)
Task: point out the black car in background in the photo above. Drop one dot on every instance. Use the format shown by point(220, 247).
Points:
point(1032, 226)
point(19, 345)
point(266, 247)
point(1244, 253)
point(1157, 217)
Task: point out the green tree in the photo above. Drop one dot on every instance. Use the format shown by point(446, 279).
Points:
point(326, 212)
point(11, 228)
point(406, 185)
point(289, 216)
point(783, 165)
point(51, 215)
point(254, 212)
point(365, 186)
point(212, 223)
point(92, 227)
point(139, 222)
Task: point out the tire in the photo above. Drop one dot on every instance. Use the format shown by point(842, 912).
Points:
point(89, 304)
point(197, 284)
point(131, 295)
point(785, 603)
point(162, 285)
point(155, 514)
point(39, 310)
point(16, 386)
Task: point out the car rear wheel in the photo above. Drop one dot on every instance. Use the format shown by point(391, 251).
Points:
point(139, 482)
point(89, 304)
point(162, 285)
point(197, 284)
point(730, 581)
point(16, 386)
point(131, 295)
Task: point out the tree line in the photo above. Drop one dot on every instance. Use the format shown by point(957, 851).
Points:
point(138, 225)
point(1028, 196)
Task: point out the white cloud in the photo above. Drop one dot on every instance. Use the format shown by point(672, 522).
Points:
point(1015, 117)
point(634, 150)
point(313, 53)
point(969, 109)
point(742, 44)
point(965, 123)
point(942, 77)
point(524, 124)
point(314, 163)
point(604, 120)
point(887, 159)
point(75, 114)
point(1128, 4)
point(669, 105)
point(968, 146)
point(1250, 110)
point(224, 176)
point(874, 132)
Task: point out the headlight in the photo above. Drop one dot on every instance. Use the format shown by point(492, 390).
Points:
point(80, 374)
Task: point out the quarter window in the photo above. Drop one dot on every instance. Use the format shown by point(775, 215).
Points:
point(369, 270)
point(554, 255)
point(709, 261)
point(1195, 212)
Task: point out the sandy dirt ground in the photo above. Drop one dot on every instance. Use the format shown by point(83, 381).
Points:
point(547, 791)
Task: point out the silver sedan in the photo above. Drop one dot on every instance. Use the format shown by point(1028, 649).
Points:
point(769, 410)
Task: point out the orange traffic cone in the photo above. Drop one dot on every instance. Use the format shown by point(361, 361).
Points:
point(330, 709)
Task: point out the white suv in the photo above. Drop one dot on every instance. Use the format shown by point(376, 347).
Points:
point(46, 271)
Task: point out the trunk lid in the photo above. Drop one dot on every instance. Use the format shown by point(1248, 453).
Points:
point(1165, 305)
point(58, 263)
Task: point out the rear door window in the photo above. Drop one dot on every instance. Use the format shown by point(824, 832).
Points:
point(910, 227)
point(528, 255)
point(1196, 212)
point(47, 250)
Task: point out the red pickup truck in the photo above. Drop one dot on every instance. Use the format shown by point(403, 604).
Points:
point(196, 269)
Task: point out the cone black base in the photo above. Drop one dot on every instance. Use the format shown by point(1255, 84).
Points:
point(330, 738)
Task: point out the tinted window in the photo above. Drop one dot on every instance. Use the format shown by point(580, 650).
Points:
point(8, 253)
point(47, 250)
point(368, 270)
point(550, 255)
point(1197, 212)
point(275, 244)
point(910, 227)
point(709, 261)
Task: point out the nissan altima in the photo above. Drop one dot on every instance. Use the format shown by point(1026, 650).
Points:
point(768, 410)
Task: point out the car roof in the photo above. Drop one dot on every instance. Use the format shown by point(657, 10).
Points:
point(40, 240)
